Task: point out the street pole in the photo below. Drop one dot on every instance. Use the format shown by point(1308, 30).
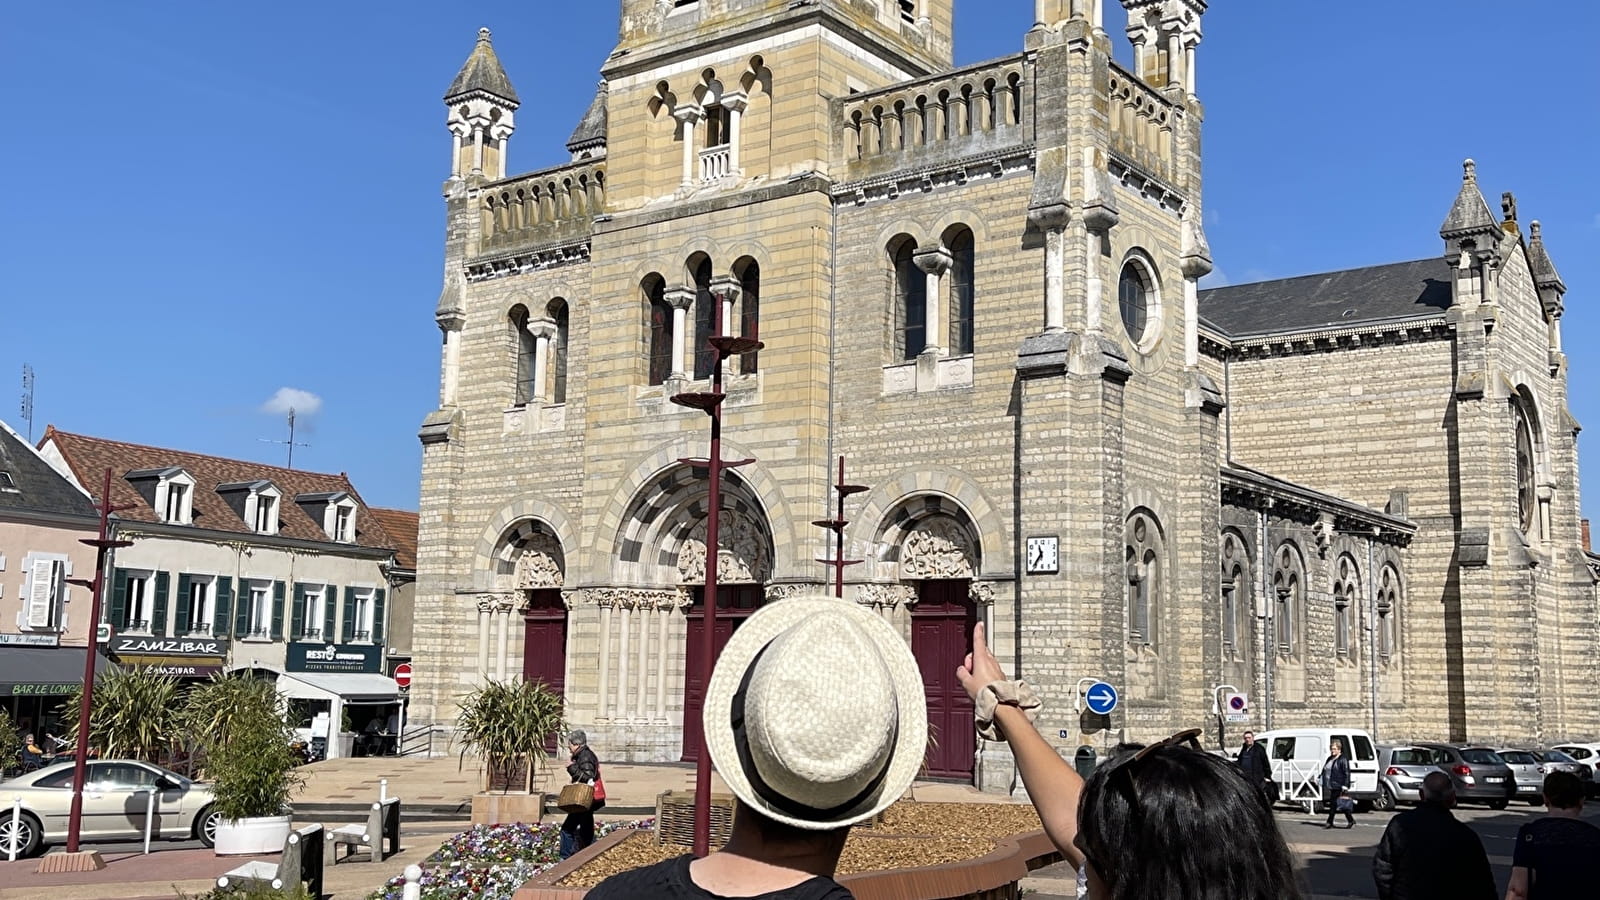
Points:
point(103, 545)
point(837, 526)
point(1372, 634)
point(711, 404)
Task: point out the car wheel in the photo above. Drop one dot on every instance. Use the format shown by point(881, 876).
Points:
point(1499, 804)
point(1385, 801)
point(26, 833)
point(205, 827)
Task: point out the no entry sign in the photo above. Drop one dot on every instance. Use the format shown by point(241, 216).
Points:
point(402, 675)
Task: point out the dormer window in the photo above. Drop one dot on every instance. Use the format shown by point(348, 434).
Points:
point(177, 509)
point(344, 523)
point(169, 491)
point(266, 514)
point(256, 503)
point(335, 510)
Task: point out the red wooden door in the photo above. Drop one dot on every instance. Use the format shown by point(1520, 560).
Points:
point(544, 645)
point(735, 603)
point(941, 635)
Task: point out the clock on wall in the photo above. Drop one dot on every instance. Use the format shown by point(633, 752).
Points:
point(1043, 555)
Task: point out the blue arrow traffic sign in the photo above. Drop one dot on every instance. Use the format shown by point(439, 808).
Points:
point(1101, 697)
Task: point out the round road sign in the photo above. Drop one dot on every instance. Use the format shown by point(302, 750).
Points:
point(402, 675)
point(1101, 697)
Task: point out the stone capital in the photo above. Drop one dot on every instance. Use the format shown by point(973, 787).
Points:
point(934, 261)
point(680, 297)
point(726, 288)
point(542, 328)
point(688, 115)
point(735, 101)
point(450, 319)
point(1050, 217)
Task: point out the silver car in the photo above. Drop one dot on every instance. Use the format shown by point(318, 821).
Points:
point(116, 797)
point(1400, 772)
point(1528, 771)
point(1557, 761)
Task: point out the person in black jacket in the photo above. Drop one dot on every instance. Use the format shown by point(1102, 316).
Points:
point(577, 832)
point(1254, 766)
point(1428, 853)
point(1335, 781)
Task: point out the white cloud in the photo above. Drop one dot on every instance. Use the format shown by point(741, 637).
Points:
point(1213, 218)
point(304, 403)
point(1215, 279)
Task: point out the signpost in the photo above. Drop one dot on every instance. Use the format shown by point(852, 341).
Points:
point(1236, 708)
point(1101, 698)
point(402, 676)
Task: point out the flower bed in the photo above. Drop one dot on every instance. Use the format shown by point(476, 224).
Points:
point(492, 861)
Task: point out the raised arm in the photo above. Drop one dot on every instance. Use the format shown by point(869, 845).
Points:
point(1053, 784)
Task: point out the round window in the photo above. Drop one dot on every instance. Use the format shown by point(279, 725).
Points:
point(1135, 298)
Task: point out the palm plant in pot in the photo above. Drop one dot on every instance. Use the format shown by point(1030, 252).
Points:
point(509, 725)
point(249, 763)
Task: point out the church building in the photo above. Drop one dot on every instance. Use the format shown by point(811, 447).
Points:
point(1352, 497)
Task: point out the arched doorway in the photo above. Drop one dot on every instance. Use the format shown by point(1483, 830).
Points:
point(530, 564)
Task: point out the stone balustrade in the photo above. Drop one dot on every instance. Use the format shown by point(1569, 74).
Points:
point(1142, 122)
point(943, 116)
point(716, 163)
point(541, 206)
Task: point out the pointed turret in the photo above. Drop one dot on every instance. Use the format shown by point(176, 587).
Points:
point(1545, 277)
point(483, 72)
point(1470, 223)
point(589, 138)
point(482, 106)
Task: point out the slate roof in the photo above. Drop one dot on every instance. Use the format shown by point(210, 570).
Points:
point(482, 72)
point(89, 457)
point(34, 485)
point(401, 526)
point(591, 131)
point(1416, 289)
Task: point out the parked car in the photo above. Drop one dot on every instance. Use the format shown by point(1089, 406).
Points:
point(1527, 772)
point(1401, 769)
point(116, 794)
point(1557, 761)
point(1297, 755)
point(1588, 754)
point(1480, 775)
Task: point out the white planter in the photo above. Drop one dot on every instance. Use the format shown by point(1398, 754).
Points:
point(252, 837)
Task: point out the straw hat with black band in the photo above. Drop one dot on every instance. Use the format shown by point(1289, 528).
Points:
point(815, 715)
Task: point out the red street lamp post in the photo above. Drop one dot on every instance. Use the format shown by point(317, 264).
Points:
point(711, 403)
point(837, 525)
point(102, 544)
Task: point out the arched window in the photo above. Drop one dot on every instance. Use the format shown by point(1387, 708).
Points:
point(961, 292)
point(749, 311)
point(1288, 584)
point(657, 328)
point(1527, 496)
point(705, 316)
point(910, 301)
point(1145, 578)
point(1346, 590)
point(1136, 298)
point(557, 311)
point(1236, 593)
point(1388, 606)
point(525, 351)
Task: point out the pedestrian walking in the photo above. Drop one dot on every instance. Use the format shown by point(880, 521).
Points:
point(816, 719)
point(577, 830)
point(1336, 785)
point(1557, 857)
point(1165, 820)
point(1428, 854)
point(1255, 768)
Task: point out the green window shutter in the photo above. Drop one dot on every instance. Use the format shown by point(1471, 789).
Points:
point(277, 610)
point(349, 633)
point(223, 609)
point(158, 618)
point(330, 607)
point(241, 610)
point(297, 612)
point(378, 599)
point(118, 613)
point(183, 626)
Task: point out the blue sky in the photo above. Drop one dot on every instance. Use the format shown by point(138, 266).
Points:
point(212, 202)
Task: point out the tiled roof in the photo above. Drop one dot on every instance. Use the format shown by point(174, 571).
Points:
point(89, 457)
point(482, 72)
point(401, 525)
point(32, 485)
point(1330, 300)
point(591, 130)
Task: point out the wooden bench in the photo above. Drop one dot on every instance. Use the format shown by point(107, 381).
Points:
point(379, 836)
point(302, 861)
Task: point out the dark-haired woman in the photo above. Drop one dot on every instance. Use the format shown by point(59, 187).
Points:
point(1166, 821)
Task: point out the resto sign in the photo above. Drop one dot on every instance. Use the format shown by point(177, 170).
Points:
point(135, 645)
point(303, 657)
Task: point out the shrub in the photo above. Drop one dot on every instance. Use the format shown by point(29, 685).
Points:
point(10, 743)
point(252, 767)
point(132, 715)
point(508, 724)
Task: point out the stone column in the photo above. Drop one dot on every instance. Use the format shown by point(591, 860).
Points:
point(477, 149)
point(1138, 34)
point(605, 662)
point(450, 322)
point(725, 291)
point(455, 152)
point(1052, 220)
point(663, 653)
point(483, 639)
point(624, 631)
point(680, 299)
point(934, 263)
point(1099, 217)
point(503, 643)
point(641, 704)
point(689, 116)
point(543, 331)
point(735, 102)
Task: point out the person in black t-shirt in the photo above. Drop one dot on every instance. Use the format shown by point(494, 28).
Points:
point(1557, 857)
point(816, 718)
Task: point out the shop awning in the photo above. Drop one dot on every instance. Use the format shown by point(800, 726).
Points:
point(46, 671)
point(346, 687)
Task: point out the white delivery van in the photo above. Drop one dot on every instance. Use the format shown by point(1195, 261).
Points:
point(1297, 755)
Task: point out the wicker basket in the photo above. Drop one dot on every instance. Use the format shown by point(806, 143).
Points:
point(675, 818)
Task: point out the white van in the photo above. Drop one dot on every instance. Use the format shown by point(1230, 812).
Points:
point(1297, 755)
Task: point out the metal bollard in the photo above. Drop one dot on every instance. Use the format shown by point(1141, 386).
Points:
point(149, 819)
point(383, 789)
point(413, 888)
point(16, 826)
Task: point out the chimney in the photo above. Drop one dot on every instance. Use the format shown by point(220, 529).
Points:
point(1586, 548)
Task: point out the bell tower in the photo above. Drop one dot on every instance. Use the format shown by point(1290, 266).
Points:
point(482, 106)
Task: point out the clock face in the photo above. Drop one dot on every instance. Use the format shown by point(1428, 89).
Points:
point(1043, 555)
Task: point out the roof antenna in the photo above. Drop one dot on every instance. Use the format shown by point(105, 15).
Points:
point(27, 398)
point(290, 442)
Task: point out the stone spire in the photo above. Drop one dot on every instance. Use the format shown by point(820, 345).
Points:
point(589, 138)
point(1470, 219)
point(483, 72)
point(1545, 277)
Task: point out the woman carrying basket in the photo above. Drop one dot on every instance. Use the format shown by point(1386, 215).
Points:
point(577, 832)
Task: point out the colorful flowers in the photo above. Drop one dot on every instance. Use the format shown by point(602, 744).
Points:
point(492, 861)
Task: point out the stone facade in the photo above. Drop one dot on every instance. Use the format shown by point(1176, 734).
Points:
point(980, 287)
